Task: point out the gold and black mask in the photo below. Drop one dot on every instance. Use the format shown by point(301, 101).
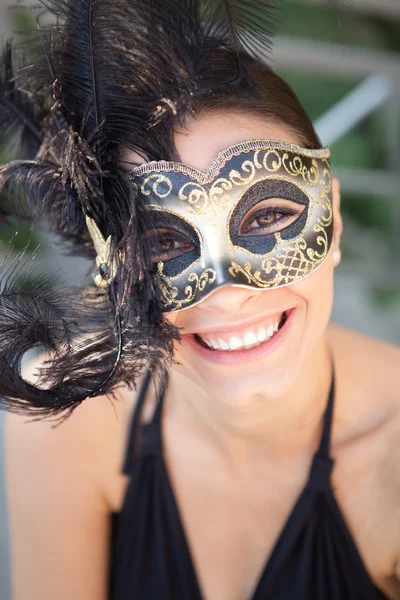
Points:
point(259, 216)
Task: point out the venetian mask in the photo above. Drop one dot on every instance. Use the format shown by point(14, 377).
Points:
point(260, 216)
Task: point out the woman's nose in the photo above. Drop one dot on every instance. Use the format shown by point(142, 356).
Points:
point(231, 298)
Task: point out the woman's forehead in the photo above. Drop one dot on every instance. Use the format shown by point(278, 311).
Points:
point(203, 138)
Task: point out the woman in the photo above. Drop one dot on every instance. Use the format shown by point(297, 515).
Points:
point(268, 467)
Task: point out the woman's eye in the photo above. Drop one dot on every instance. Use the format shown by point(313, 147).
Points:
point(167, 244)
point(268, 219)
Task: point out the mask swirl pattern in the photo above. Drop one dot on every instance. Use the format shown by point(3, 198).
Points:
point(212, 228)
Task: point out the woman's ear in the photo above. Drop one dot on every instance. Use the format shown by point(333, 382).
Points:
point(337, 217)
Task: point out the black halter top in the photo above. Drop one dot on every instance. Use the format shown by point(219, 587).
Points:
point(314, 558)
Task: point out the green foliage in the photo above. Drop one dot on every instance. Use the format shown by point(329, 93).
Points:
point(24, 239)
point(372, 212)
point(317, 92)
point(324, 23)
point(387, 299)
point(356, 149)
point(22, 20)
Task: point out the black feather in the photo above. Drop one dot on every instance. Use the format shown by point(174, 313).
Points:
point(76, 327)
point(104, 75)
point(242, 25)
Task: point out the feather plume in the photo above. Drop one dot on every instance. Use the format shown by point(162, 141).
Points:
point(105, 75)
point(242, 25)
point(76, 327)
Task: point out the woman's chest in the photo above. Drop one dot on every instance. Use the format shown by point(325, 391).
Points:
point(232, 525)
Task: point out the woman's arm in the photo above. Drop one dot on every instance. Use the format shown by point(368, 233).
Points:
point(58, 514)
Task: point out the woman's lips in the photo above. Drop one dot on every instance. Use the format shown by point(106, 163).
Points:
point(248, 338)
point(226, 355)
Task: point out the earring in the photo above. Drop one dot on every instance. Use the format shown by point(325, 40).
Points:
point(336, 257)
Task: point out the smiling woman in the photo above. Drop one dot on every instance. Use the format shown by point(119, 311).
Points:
point(263, 462)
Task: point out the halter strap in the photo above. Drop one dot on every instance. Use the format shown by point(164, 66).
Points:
point(324, 445)
point(152, 429)
point(322, 463)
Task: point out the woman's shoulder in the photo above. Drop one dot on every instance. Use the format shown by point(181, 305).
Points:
point(346, 335)
point(90, 442)
point(367, 382)
point(367, 426)
point(58, 484)
point(368, 387)
point(374, 361)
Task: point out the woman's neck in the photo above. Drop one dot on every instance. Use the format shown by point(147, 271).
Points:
point(262, 426)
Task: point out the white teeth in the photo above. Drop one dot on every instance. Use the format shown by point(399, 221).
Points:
point(249, 340)
point(223, 345)
point(235, 343)
point(262, 334)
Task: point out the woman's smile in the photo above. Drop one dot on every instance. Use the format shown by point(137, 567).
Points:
point(238, 343)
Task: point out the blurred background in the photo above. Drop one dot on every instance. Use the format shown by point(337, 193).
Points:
point(344, 65)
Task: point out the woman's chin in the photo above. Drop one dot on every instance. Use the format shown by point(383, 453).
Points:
point(247, 387)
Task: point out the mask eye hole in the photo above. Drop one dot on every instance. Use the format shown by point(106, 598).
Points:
point(269, 216)
point(166, 244)
point(171, 240)
point(267, 208)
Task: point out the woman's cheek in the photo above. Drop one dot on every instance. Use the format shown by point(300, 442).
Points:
point(317, 291)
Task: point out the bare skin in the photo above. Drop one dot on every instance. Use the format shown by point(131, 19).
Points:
point(246, 436)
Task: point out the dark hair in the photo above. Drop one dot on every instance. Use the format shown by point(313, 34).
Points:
point(260, 91)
